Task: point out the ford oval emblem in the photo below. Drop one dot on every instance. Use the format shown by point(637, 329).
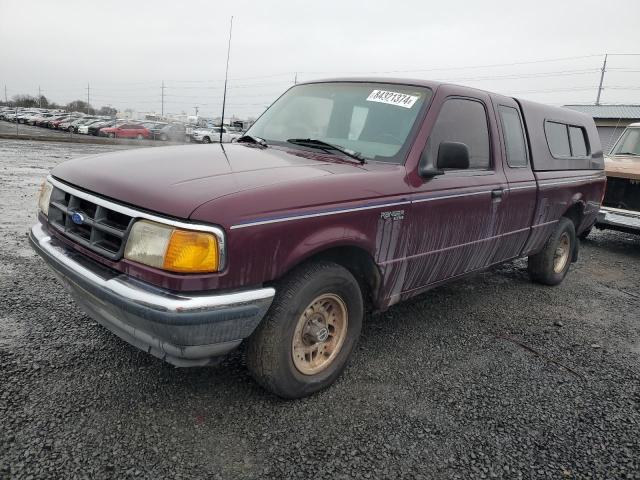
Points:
point(77, 218)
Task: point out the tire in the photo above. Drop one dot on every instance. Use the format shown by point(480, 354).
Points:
point(206, 140)
point(139, 137)
point(551, 265)
point(112, 135)
point(312, 291)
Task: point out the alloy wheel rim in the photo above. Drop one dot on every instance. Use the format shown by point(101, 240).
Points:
point(320, 334)
point(561, 255)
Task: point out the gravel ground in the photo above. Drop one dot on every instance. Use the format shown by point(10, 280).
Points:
point(491, 376)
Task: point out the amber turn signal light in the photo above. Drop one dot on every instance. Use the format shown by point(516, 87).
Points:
point(191, 252)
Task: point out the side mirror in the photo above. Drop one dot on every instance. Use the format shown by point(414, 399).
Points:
point(453, 155)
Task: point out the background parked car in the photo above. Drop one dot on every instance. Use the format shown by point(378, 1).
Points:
point(93, 128)
point(84, 127)
point(169, 132)
point(127, 130)
point(47, 122)
point(73, 127)
point(42, 119)
point(213, 135)
point(55, 123)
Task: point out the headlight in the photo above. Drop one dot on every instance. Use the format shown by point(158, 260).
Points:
point(171, 248)
point(45, 197)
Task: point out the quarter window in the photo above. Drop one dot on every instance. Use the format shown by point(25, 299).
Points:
point(465, 121)
point(513, 137)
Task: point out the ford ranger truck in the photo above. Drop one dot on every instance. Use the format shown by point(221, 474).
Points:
point(344, 195)
point(621, 205)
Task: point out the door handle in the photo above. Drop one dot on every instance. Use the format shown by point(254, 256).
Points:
point(497, 193)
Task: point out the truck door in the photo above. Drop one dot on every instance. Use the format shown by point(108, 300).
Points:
point(453, 216)
point(519, 199)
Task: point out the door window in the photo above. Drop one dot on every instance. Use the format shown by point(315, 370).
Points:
point(513, 136)
point(463, 120)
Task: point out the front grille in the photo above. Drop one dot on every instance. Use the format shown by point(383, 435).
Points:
point(98, 228)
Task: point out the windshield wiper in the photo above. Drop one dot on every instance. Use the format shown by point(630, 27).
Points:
point(250, 139)
point(315, 143)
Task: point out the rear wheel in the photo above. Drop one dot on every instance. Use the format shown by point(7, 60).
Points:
point(551, 265)
point(139, 136)
point(305, 341)
point(206, 140)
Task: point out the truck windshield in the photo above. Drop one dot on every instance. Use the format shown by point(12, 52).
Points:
point(629, 143)
point(373, 119)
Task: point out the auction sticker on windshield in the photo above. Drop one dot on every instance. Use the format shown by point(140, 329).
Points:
point(393, 98)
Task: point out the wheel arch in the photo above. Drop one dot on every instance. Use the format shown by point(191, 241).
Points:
point(575, 213)
point(355, 258)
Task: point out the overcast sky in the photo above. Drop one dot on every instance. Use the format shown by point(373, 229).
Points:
point(549, 51)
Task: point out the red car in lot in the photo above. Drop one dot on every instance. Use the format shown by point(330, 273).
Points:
point(126, 130)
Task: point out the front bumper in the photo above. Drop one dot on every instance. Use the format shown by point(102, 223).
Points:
point(182, 329)
point(618, 219)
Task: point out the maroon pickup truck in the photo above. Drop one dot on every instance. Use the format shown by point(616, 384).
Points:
point(345, 193)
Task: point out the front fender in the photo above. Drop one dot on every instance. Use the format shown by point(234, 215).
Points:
point(323, 240)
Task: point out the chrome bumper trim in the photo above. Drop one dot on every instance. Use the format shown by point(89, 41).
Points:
point(618, 219)
point(183, 329)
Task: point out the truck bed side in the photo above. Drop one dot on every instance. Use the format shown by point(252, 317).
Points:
point(570, 183)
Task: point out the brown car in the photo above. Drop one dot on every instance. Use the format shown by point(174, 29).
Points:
point(621, 205)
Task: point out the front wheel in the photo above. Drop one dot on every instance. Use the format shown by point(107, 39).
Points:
point(305, 341)
point(551, 265)
point(206, 140)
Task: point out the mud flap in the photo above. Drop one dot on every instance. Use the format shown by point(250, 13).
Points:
point(576, 249)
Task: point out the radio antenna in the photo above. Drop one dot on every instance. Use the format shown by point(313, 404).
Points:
point(226, 75)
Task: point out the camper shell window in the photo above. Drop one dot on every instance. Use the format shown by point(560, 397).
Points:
point(566, 141)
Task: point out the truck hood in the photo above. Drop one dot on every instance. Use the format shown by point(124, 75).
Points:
point(622, 166)
point(176, 180)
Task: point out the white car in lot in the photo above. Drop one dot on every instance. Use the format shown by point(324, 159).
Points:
point(212, 135)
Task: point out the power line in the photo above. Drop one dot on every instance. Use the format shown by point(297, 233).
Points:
point(491, 65)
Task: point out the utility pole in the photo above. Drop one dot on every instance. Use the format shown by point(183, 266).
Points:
point(162, 90)
point(602, 72)
point(39, 97)
point(88, 97)
point(5, 94)
point(196, 107)
point(226, 74)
